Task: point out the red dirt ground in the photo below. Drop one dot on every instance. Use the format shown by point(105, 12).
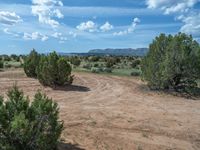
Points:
point(117, 113)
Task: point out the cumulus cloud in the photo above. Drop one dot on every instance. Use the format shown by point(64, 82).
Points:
point(87, 26)
point(130, 29)
point(62, 38)
point(106, 27)
point(191, 24)
point(7, 31)
point(184, 12)
point(56, 35)
point(172, 6)
point(9, 18)
point(46, 10)
point(35, 36)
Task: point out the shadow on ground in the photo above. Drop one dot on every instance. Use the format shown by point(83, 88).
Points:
point(191, 94)
point(77, 88)
point(69, 146)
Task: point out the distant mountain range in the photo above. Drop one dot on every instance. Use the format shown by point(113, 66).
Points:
point(110, 51)
point(121, 52)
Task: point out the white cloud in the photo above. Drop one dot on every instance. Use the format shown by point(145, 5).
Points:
point(44, 38)
point(47, 2)
point(136, 20)
point(58, 13)
point(184, 12)
point(45, 10)
point(87, 26)
point(125, 32)
point(35, 36)
point(191, 24)
point(73, 34)
point(7, 31)
point(9, 18)
point(130, 29)
point(172, 6)
point(56, 35)
point(106, 27)
point(63, 40)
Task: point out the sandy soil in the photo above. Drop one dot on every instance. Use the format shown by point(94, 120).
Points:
point(117, 113)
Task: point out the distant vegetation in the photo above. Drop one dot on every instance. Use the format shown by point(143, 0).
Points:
point(29, 126)
point(173, 62)
point(113, 65)
point(12, 61)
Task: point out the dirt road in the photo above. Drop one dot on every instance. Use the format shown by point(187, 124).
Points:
point(117, 113)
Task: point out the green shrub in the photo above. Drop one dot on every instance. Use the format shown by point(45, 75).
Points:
point(31, 63)
point(136, 73)
point(87, 66)
point(6, 58)
point(7, 65)
point(54, 70)
point(1, 64)
point(110, 62)
point(96, 65)
point(108, 70)
point(172, 62)
point(29, 126)
point(75, 61)
point(94, 58)
point(135, 63)
point(96, 70)
point(14, 57)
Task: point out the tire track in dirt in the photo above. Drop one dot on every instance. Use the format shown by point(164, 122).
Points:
point(114, 113)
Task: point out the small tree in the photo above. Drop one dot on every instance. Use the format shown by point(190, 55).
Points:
point(172, 62)
point(15, 57)
point(54, 70)
point(135, 63)
point(25, 126)
point(1, 64)
point(75, 61)
point(31, 63)
point(6, 58)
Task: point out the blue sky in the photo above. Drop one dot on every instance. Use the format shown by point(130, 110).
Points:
point(81, 25)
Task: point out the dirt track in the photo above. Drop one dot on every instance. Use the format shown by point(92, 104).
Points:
point(116, 113)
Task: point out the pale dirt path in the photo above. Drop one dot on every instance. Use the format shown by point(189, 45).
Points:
point(118, 113)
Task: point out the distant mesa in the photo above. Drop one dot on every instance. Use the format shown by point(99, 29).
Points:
point(110, 51)
point(121, 52)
